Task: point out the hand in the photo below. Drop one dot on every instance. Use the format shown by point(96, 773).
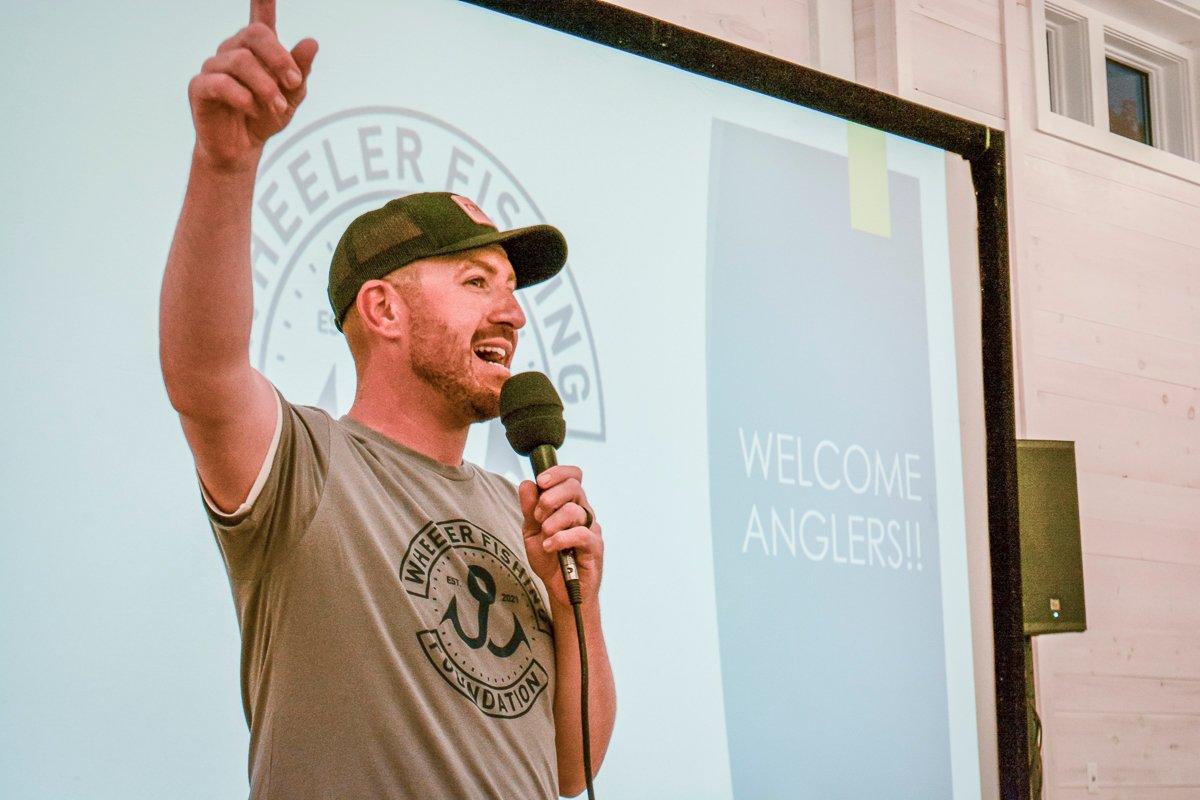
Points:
point(554, 521)
point(248, 91)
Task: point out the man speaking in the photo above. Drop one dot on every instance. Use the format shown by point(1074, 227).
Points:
point(406, 631)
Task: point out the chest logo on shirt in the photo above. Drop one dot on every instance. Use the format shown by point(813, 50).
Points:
point(488, 622)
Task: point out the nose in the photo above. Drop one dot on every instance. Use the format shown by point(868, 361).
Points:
point(507, 310)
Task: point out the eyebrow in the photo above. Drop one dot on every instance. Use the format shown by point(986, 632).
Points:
point(491, 268)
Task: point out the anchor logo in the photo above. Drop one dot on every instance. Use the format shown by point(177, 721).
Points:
point(482, 587)
point(465, 633)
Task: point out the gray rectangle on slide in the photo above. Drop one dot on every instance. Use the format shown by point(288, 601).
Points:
point(824, 526)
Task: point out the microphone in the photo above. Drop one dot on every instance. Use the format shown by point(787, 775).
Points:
point(532, 414)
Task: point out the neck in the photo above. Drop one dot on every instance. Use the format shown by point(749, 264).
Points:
point(413, 414)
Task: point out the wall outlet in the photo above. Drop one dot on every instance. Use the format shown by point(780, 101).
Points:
point(1093, 782)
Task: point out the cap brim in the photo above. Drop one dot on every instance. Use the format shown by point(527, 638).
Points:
point(536, 252)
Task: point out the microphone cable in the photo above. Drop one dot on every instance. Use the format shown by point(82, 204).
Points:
point(532, 414)
point(576, 596)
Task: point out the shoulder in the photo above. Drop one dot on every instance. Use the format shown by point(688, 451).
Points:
point(500, 483)
point(306, 430)
point(313, 415)
point(500, 488)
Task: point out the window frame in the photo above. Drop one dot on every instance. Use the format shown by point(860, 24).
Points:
point(1059, 36)
point(1172, 68)
point(1056, 72)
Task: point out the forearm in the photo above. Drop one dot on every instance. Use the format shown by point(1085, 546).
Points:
point(602, 696)
point(207, 298)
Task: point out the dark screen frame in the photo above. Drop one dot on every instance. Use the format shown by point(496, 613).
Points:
point(984, 149)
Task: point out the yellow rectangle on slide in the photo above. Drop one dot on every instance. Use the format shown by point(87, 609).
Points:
point(870, 206)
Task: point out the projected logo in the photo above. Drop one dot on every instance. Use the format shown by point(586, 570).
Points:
point(487, 618)
point(325, 175)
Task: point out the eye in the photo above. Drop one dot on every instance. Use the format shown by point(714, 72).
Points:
point(477, 281)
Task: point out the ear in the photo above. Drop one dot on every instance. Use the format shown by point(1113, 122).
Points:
point(382, 310)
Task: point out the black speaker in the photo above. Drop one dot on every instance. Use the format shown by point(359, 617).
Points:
point(1051, 560)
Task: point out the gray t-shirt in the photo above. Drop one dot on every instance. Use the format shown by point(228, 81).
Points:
point(395, 642)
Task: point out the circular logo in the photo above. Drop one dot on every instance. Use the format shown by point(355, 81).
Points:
point(318, 180)
point(487, 631)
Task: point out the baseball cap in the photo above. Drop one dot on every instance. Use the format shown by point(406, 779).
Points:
point(428, 224)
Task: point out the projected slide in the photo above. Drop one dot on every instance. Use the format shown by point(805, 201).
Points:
point(754, 340)
point(824, 518)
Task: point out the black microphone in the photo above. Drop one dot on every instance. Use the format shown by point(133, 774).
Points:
point(532, 414)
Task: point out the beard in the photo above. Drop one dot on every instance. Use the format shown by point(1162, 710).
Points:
point(439, 361)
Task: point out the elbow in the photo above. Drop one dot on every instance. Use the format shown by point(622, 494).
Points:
point(572, 783)
point(572, 789)
point(174, 387)
point(198, 369)
point(204, 390)
point(571, 780)
point(172, 381)
point(182, 387)
point(178, 379)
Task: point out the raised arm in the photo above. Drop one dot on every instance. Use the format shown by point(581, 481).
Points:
point(247, 92)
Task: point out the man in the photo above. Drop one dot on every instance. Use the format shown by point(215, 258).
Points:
point(405, 628)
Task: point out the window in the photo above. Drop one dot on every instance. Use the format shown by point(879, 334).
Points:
point(1128, 101)
point(1109, 83)
point(1067, 56)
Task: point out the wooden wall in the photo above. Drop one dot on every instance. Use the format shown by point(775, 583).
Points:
point(1108, 274)
point(1106, 296)
point(778, 27)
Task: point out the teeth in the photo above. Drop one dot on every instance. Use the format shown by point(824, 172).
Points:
point(498, 352)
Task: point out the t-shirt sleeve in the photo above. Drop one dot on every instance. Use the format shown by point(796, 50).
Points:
point(263, 471)
point(284, 499)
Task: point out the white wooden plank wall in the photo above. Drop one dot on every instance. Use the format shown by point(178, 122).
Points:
point(1107, 304)
point(776, 27)
point(1109, 295)
point(956, 56)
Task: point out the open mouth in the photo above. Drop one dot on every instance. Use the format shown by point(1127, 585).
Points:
point(492, 354)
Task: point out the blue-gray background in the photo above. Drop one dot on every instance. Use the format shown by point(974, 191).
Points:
point(118, 639)
point(833, 673)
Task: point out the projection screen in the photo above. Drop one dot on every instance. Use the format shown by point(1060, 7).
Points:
point(767, 338)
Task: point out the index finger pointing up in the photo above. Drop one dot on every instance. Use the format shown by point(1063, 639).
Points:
point(263, 11)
